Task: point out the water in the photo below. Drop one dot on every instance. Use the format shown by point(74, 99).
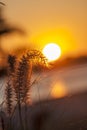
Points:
point(56, 83)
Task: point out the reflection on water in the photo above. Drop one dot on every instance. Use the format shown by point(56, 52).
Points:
point(57, 83)
point(59, 90)
point(62, 82)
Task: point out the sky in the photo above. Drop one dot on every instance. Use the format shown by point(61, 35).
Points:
point(51, 21)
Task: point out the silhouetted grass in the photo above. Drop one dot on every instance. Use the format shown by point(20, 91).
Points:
point(18, 85)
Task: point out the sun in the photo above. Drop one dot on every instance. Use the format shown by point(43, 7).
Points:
point(52, 51)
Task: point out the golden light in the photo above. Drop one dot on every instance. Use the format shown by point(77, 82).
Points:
point(52, 51)
point(59, 90)
point(63, 36)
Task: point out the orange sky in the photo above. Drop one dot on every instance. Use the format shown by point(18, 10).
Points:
point(60, 21)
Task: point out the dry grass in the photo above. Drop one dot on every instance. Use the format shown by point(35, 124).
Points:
point(19, 84)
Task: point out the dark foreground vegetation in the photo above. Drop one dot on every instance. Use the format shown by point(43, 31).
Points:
point(17, 89)
point(69, 113)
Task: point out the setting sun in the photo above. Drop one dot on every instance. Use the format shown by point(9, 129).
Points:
point(52, 51)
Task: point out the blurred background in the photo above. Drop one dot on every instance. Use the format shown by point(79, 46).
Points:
point(33, 25)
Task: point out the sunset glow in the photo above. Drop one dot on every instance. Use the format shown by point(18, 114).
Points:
point(52, 51)
point(59, 90)
point(60, 21)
